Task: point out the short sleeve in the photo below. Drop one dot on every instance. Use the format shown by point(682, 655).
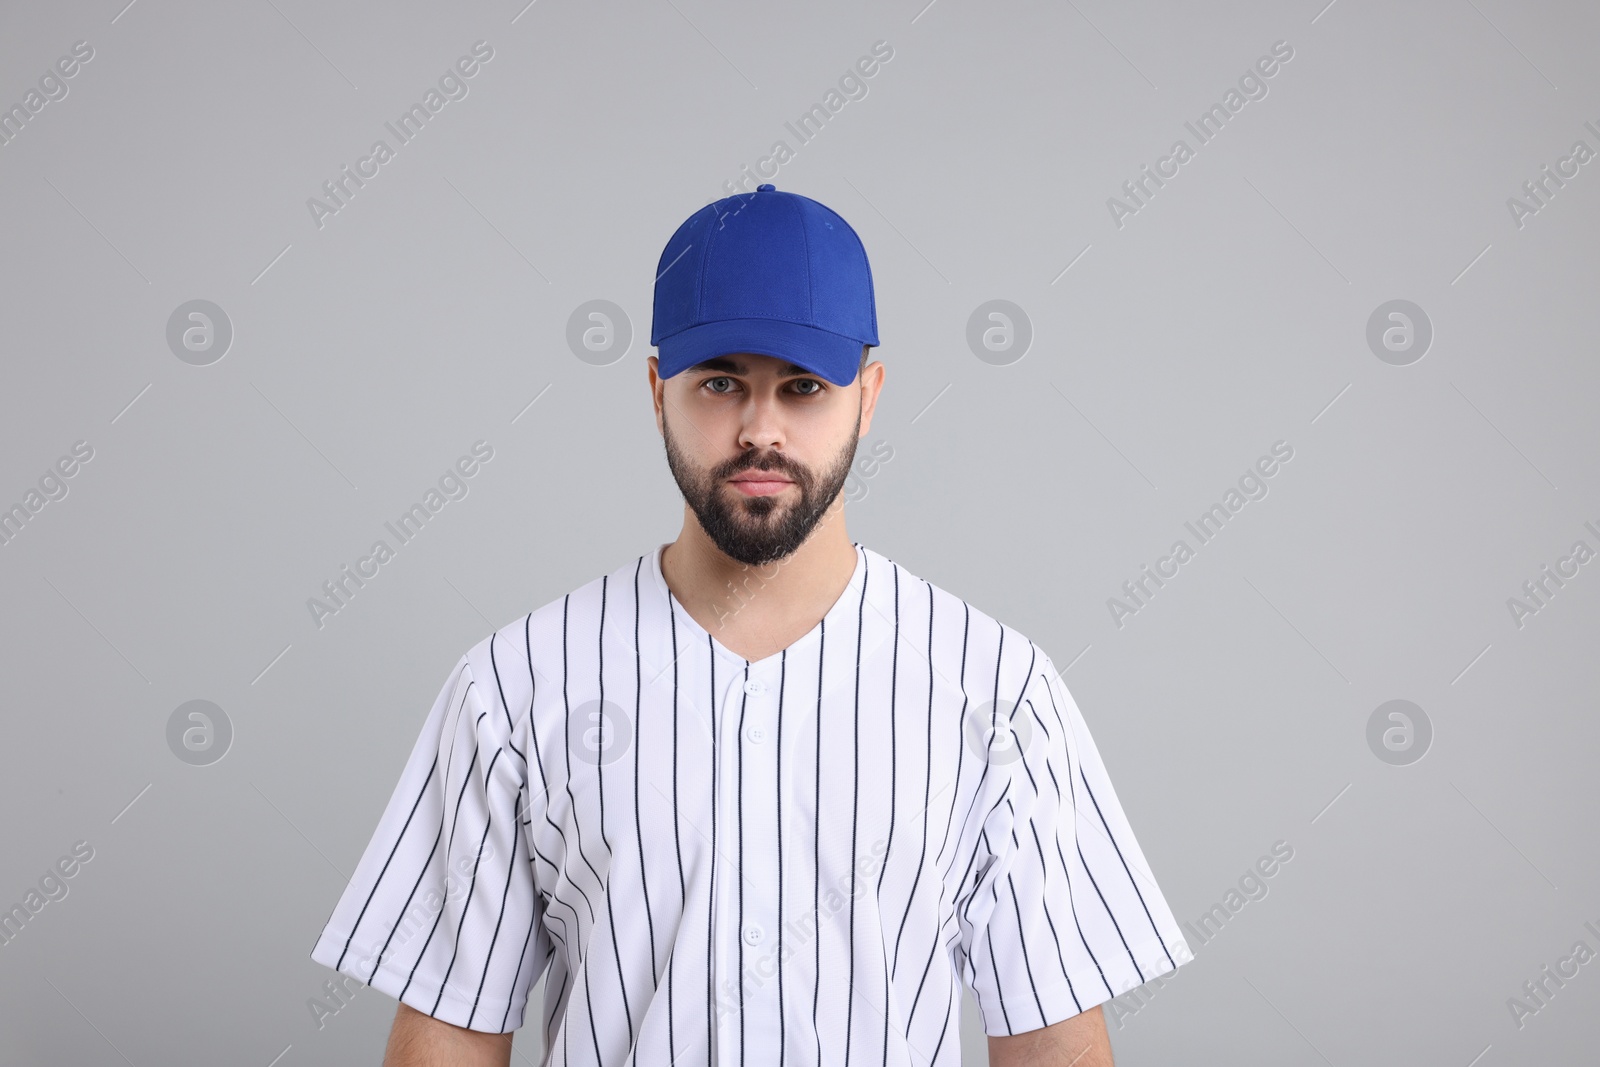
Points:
point(442, 912)
point(1073, 916)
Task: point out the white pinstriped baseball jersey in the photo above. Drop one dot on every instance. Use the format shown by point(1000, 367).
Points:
point(796, 860)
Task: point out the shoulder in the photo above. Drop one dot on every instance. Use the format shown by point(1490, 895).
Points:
point(513, 662)
point(971, 650)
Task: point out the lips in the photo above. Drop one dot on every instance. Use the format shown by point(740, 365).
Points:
point(760, 483)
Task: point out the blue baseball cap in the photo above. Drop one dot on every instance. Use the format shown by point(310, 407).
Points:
point(772, 273)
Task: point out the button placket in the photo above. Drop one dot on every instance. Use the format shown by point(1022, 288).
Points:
point(757, 699)
point(728, 933)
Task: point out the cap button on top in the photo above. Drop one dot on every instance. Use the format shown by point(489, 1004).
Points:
point(766, 189)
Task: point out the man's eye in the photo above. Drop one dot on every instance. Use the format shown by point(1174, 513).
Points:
point(805, 386)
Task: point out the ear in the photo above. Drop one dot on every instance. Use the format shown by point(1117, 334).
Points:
point(871, 382)
point(658, 387)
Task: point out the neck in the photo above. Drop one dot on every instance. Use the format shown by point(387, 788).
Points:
point(760, 606)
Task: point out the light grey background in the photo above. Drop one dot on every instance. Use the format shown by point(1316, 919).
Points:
point(1229, 313)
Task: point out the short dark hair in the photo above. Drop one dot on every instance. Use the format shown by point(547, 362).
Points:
point(864, 350)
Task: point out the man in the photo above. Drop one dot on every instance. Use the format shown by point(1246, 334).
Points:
point(760, 795)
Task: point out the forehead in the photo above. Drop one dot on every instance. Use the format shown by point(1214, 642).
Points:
point(750, 363)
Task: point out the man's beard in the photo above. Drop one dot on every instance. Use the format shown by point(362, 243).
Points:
point(757, 530)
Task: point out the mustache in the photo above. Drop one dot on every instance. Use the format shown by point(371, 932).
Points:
point(771, 462)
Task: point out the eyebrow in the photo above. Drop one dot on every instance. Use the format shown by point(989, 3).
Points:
point(737, 366)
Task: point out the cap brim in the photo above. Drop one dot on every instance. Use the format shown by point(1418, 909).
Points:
point(832, 356)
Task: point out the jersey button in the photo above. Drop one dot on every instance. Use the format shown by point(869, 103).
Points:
point(755, 734)
point(752, 934)
point(754, 688)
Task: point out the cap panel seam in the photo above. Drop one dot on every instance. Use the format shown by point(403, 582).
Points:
point(700, 274)
point(866, 264)
point(683, 230)
point(805, 237)
point(872, 302)
point(860, 251)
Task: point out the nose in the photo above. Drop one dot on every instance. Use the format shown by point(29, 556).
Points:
point(761, 429)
